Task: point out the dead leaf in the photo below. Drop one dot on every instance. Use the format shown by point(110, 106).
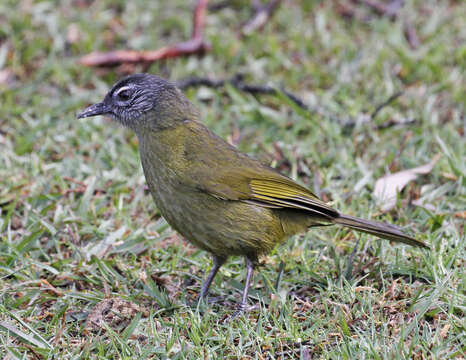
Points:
point(115, 312)
point(387, 187)
point(444, 331)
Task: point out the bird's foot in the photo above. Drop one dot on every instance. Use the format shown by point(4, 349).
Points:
point(243, 308)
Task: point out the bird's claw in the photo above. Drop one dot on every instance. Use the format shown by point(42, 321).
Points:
point(243, 308)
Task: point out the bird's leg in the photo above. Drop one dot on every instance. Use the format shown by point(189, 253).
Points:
point(217, 262)
point(250, 265)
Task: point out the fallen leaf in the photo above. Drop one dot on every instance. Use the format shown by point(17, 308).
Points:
point(444, 331)
point(115, 312)
point(388, 186)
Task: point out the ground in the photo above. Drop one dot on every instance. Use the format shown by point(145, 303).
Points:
point(89, 269)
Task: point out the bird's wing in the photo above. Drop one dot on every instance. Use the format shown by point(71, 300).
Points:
point(265, 187)
point(285, 193)
point(229, 174)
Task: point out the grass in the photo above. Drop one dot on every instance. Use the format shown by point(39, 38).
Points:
point(78, 226)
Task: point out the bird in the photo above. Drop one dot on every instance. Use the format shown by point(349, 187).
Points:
point(220, 199)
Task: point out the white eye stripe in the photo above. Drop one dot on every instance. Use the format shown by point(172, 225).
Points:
point(122, 89)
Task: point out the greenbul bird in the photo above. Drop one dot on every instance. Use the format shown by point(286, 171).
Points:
point(218, 198)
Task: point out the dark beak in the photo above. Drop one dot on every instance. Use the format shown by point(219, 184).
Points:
point(93, 110)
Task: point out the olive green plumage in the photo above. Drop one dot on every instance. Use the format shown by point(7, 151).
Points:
point(218, 198)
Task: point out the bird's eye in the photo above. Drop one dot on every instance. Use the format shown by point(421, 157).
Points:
point(124, 95)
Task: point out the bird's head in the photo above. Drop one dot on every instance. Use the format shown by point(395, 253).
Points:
point(144, 102)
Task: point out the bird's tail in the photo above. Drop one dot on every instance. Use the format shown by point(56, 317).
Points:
point(382, 230)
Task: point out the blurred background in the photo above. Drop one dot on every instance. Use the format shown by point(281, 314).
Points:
point(336, 94)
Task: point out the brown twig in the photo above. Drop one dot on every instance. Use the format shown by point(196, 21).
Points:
point(260, 17)
point(238, 82)
point(50, 287)
point(199, 19)
point(195, 45)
